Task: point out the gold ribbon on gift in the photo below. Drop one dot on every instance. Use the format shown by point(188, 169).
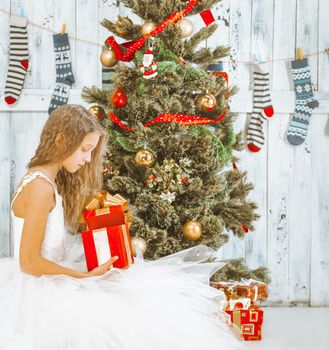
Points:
point(103, 200)
point(236, 318)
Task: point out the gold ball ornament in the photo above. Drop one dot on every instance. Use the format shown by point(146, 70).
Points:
point(186, 27)
point(138, 245)
point(192, 230)
point(206, 103)
point(108, 57)
point(122, 23)
point(145, 157)
point(148, 27)
point(97, 111)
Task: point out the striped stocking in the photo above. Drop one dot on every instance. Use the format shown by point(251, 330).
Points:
point(262, 108)
point(255, 133)
point(18, 60)
point(262, 96)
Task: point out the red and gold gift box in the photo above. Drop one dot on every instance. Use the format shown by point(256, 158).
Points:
point(102, 244)
point(105, 210)
point(255, 290)
point(247, 324)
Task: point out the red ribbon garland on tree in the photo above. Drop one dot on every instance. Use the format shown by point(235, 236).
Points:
point(183, 119)
point(134, 46)
point(138, 44)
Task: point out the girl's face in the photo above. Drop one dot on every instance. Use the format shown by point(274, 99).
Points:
point(83, 153)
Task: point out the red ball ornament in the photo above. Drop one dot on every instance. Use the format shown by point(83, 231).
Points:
point(184, 180)
point(119, 98)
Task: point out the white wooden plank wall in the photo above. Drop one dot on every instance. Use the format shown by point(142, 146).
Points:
point(291, 183)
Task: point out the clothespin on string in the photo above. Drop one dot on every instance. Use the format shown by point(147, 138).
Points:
point(260, 58)
point(20, 11)
point(300, 54)
point(63, 28)
point(327, 52)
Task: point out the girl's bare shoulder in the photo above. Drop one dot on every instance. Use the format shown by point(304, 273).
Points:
point(36, 194)
point(40, 188)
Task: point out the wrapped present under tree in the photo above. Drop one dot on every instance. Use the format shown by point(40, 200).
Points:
point(247, 324)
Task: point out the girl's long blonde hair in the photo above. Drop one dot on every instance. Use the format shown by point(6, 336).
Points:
point(72, 123)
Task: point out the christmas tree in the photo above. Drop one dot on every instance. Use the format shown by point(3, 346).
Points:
point(171, 138)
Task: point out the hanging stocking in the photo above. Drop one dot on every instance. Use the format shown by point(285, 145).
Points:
point(64, 74)
point(18, 60)
point(255, 133)
point(262, 96)
point(262, 108)
point(305, 102)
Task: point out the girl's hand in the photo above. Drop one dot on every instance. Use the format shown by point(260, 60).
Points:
point(101, 269)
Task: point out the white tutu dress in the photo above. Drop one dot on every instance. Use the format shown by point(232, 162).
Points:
point(154, 305)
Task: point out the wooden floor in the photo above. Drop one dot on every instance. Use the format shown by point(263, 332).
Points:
point(293, 329)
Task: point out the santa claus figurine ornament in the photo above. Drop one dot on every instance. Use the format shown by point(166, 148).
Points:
point(148, 66)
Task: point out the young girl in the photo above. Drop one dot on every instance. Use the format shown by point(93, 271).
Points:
point(47, 298)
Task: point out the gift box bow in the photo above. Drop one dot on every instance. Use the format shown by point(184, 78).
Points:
point(103, 202)
point(103, 199)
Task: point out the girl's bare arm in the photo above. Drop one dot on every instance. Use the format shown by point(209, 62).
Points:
point(39, 196)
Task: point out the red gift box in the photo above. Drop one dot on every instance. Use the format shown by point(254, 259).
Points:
point(104, 217)
point(248, 322)
point(102, 244)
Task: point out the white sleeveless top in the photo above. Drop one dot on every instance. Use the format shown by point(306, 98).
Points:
point(53, 246)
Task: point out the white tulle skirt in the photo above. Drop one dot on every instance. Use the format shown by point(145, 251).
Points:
point(163, 304)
